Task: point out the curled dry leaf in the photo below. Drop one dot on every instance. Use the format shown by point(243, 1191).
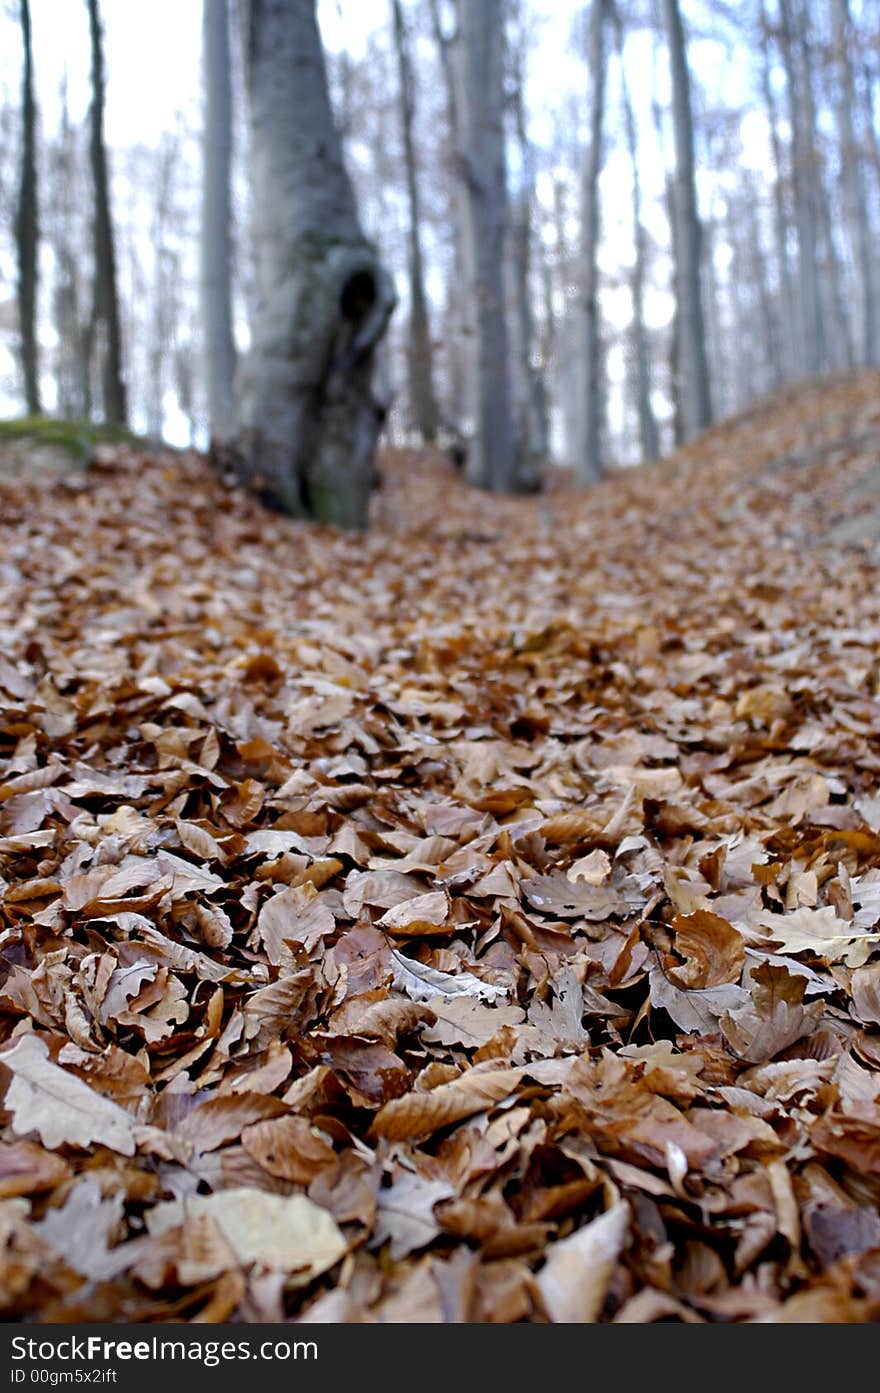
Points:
point(574, 1280)
point(714, 951)
point(421, 983)
point(420, 1114)
point(425, 914)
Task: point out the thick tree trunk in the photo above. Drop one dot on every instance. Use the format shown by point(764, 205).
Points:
point(482, 160)
point(106, 301)
point(648, 434)
point(216, 230)
point(590, 461)
point(307, 419)
point(26, 229)
point(696, 398)
point(420, 358)
point(853, 174)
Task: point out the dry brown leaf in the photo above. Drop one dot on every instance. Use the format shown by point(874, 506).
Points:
point(419, 1114)
point(574, 1280)
point(714, 951)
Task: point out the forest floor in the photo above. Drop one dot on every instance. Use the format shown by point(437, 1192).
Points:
point(476, 920)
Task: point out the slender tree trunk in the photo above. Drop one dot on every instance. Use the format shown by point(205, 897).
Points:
point(590, 461)
point(772, 339)
point(789, 348)
point(696, 398)
point(461, 291)
point(482, 159)
point(421, 373)
point(216, 229)
point(166, 274)
point(26, 228)
point(307, 420)
point(533, 429)
point(648, 435)
point(105, 292)
point(833, 279)
point(853, 174)
point(813, 345)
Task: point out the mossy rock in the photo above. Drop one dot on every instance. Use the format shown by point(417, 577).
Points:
point(34, 447)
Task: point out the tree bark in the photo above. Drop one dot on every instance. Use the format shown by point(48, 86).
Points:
point(26, 225)
point(482, 162)
point(648, 434)
point(590, 460)
point(838, 318)
point(307, 420)
point(813, 343)
point(696, 397)
point(853, 175)
point(420, 358)
point(533, 430)
point(216, 229)
point(106, 300)
point(788, 345)
point(460, 293)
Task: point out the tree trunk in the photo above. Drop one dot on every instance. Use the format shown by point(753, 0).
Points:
point(813, 347)
point(844, 355)
point(532, 434)
point(461, 293)
point(696, 398)
point(853, 175)
point(590, 462)
point(482, 161)
point(307, 420)
point(216, 230)
point(788, 346)
point(26, 229)
point(421, 375)
point(648, 434)
point(106, 301)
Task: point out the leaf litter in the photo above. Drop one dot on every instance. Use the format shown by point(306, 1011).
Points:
point(474, 920)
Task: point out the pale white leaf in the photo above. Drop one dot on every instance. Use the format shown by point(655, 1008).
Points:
point(46, 1099)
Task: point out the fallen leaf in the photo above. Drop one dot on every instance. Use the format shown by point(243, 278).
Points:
point(285, 1232)
point(63, 1110)
point(574, 1280)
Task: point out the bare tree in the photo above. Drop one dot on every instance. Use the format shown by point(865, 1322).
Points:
point(421, 377)
point(812, 336)
point(589, 464)
point(789, 355)
point(483, 169)
point(106, 301)
point(648, 434)
point(853, 175)
point(307, 419)
point(216, 229)
point(26, 227)
point(529, 389)
point(693, 361)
